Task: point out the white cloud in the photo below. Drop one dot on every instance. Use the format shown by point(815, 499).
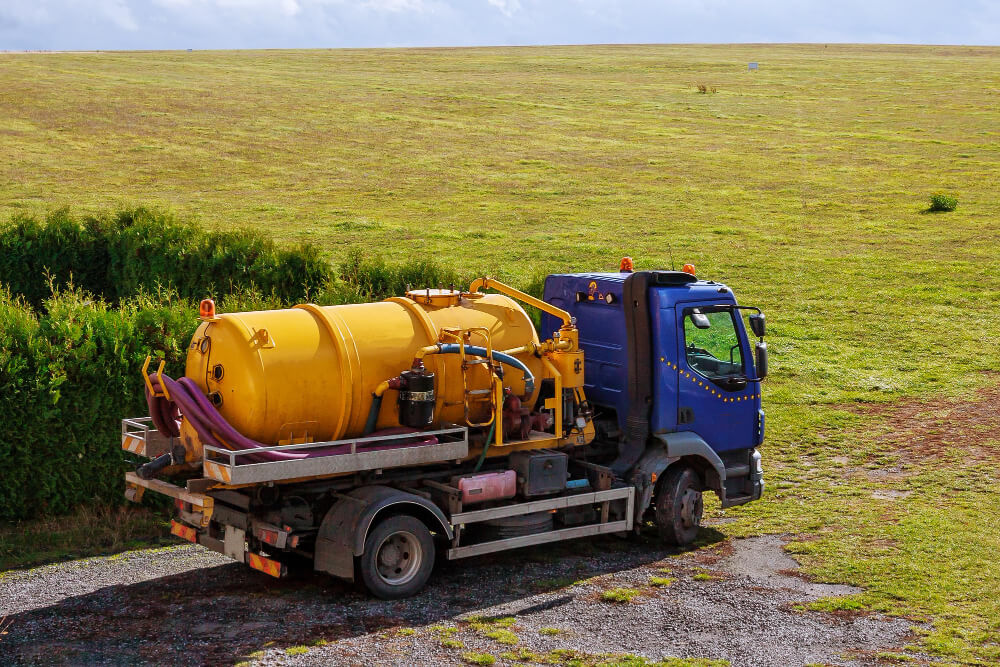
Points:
point(395, 5)
point(120, 14)
point(507, 7)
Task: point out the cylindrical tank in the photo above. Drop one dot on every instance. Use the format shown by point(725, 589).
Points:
point(309, 371)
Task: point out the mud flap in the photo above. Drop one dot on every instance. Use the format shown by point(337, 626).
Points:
point(234, 544)
point(335, 541)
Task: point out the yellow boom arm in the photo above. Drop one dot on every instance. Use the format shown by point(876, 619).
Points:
point(490, 283)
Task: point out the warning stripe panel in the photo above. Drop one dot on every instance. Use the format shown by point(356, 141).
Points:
point(184, 532)
point(265, 565)
point(215, 471)
point(133, 444)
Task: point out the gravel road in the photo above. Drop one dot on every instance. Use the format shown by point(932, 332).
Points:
point(185, 605)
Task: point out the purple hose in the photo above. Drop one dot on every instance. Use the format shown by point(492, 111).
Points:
point(187, 399)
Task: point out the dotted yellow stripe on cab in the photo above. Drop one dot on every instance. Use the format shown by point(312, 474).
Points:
point(688, 375)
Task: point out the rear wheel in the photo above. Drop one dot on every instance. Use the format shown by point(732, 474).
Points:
point(398, 557)
point(679, 506)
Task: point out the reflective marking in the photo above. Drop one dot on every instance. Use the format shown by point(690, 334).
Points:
point(265, 565)
point(708, 387)
point(184, 532)
point(216, 471)
point(133, 444)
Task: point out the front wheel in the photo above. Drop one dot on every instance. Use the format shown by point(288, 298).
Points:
point(679, 506)
point(398, 557)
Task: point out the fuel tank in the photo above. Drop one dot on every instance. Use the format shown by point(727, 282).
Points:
point(307, 373)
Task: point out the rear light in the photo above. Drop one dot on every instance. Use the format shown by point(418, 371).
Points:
point(268, 536)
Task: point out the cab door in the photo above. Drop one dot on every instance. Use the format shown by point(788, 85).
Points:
point(718, 394)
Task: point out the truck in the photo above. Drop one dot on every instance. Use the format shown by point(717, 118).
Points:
point(369, 440)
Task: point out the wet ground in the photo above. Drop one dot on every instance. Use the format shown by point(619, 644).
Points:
point(735, 601)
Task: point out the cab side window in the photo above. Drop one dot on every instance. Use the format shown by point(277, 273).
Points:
point(711, 344)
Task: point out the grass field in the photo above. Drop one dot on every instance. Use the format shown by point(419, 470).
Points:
point(803, 186)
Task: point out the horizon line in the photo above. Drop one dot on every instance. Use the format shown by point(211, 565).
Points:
point(490, 46)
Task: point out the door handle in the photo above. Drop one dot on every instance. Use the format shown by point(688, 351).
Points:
point(734, 383)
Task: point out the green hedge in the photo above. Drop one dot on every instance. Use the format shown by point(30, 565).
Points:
point(70, 355)
point(372, 278)
point(69, 373)
point(141, 251)
point(67, 377)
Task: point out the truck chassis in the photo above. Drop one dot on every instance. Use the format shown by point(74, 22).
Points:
point(230, 509)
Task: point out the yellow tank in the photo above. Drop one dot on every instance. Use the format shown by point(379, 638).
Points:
point(308, 373)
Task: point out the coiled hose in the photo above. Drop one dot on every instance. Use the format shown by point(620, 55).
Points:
point(187, 400)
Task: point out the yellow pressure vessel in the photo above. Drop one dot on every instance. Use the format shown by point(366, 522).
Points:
point(309, 372)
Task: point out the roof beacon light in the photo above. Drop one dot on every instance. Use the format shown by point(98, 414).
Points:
point(206, 310)
point(688, 268)
point(626, 265)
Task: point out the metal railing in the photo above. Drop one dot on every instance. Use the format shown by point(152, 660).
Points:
point(244, 467)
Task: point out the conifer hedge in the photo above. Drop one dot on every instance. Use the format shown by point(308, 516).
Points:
point(68, 374)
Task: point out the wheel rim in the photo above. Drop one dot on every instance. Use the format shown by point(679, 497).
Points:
point(691, 507)
point(398, 558)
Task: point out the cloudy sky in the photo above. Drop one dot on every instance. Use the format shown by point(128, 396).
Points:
point(226, 24)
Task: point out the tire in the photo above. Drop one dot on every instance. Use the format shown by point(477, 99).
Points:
point(679, 506)
point(398, 557)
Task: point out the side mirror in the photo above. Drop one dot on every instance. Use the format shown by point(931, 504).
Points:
point(760, 359)
point(700, 320)
point(757, 324)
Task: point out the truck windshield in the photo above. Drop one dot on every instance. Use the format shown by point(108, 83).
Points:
point(711, 343)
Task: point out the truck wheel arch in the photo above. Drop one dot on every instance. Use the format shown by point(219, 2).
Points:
point(690, 448)
point(345, 526)
point(670, 449)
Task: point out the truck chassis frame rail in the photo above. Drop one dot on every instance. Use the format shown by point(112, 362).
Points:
point(519, 509)
point(236, 467)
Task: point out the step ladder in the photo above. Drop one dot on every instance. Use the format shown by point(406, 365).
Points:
point(473, 397)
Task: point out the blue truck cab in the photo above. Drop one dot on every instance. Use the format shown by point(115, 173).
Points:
point(674, 379)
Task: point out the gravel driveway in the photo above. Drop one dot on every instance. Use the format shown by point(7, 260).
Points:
point(186, 605)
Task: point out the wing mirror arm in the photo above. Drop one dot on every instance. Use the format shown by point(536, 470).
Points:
point(758, 323)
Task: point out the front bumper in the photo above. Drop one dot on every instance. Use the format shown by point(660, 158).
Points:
point(756, 477)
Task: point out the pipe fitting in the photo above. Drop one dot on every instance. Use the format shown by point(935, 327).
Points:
point(418, 358)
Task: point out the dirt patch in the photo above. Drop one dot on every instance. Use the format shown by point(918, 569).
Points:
point(713, 554)
point(891, 494)
point(937, 427)
point(763, 561)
